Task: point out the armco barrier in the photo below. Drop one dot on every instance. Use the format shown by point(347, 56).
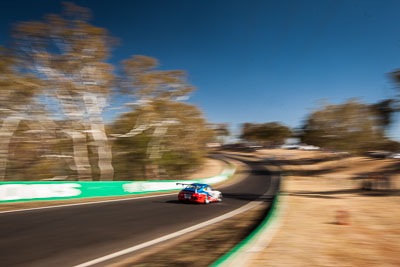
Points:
point(236, 257)
point(29, 191)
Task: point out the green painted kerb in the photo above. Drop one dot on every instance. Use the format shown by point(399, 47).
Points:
point(272, 214)
point(29, 191)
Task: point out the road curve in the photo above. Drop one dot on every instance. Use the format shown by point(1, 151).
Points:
point(68, 236)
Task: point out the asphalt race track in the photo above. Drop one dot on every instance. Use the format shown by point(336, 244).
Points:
point(68, 236)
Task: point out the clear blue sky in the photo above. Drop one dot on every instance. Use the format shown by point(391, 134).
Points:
point(253, 61)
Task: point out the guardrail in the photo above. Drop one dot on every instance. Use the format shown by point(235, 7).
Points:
point(31, 191)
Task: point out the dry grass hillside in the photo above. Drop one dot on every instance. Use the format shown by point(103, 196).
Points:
point(319, 188)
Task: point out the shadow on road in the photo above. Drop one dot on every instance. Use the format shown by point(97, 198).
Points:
point(248, 197)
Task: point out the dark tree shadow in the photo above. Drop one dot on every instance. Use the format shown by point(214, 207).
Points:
point(358, 191)
point(313, 195)
point(308, 161)
point(314, 172)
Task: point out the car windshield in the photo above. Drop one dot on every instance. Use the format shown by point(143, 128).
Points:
point(193, 187)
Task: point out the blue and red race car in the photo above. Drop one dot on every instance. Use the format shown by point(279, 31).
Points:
point(199, 193)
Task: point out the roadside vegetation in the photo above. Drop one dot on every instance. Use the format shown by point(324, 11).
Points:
point(352, 126)
point(266, 134)
point(57, 85)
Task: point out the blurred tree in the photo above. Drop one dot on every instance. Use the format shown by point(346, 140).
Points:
point(154, 92)
point(395, 76)
point(351, 126)
point(70, 55)
point(221, 131)
point(173, 150)
point(145, 83)
point(45, 159)
point(384, 111)
point(60, 62)
point(17, 100)
point(272, 133)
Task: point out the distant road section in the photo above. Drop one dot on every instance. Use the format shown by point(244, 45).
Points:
point(68, 236)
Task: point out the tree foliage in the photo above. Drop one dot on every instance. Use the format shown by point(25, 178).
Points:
point(59, 65)
point(69, 54)
point(271, 133)
point(179, 150)
point(351, 126)
point(17, 100)
point(384, 111)
point(145, 82)
point(221, 132)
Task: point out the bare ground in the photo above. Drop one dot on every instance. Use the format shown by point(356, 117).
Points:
point(311, 234)
point(211, 167)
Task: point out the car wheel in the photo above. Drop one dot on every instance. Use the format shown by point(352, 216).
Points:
point(220, 197)
point(206, 200)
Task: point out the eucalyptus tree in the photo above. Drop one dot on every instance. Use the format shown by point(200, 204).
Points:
point(17, 98)
point(69, 54)
point(177, 150)
point(351, 126)
point(154, 92)
point(385, 110)
point(271, 133)
point(221, 131)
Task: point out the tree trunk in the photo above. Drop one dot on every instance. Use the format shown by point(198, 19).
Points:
point(81, 158)
point(104, 151)
point(7, 130)
point(153, 149)
point(154, 146)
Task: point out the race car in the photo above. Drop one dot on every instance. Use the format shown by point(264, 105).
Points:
point(199, 193)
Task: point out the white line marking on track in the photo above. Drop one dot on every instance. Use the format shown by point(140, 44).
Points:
point(170, 236)
point(85, 203)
